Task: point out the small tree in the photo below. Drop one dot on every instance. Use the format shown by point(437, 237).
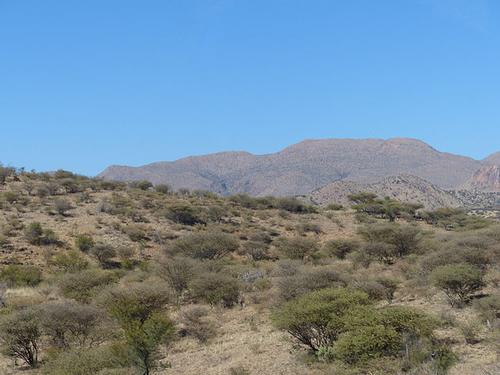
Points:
point(138, 308)
point(315, 318)
point(20, 334)
point(69, 323)
point(458, 281)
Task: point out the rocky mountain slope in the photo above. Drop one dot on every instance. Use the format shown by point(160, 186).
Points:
point(487, 178)
point(306, 166)
point(405, 188)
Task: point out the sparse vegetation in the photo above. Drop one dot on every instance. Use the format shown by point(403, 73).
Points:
point(128, 279)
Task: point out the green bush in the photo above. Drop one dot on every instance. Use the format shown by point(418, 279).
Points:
point(138, 308)
point(315, 319)
point(84, 242)
point(342, 324)
point(366, 343)
point(216, 288)
point(20, 275)
point(458, 281)
point(399, 240)
point(70, 261)
point(205, 245)
point(83, 285)
point(296, 247)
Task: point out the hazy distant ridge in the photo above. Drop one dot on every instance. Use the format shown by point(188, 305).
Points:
point(306, 166)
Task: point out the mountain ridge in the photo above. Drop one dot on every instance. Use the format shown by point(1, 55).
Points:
point(305, 166)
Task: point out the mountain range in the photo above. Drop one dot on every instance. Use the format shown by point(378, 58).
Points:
point(311, 164)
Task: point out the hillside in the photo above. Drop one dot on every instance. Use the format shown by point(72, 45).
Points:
point(406, 188)
point(304, 167)
point(487, 178)
point(95, 266)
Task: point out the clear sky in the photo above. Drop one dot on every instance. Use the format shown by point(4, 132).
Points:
point(85, 84)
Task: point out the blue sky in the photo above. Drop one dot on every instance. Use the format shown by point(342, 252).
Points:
point(85, 84)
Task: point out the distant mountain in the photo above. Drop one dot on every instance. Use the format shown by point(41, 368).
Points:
point(493, 159)
point(409, 189)
point(306, 166)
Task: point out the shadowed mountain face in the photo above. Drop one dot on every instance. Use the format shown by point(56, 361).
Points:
point(306, 166)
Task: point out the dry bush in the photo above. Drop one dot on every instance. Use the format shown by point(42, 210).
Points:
point(196, 323)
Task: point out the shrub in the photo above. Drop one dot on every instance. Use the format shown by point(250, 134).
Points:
point(20, 335)
point(293, 205)
point(296, 247)
point(62, 206)
point(340, 248)
point(90, 361)
point(163, 189)
point(255, 250)
point(216, 288)
point(20, 275)
point(315, 318)
point(103, 253)
point(138, 307)
point(205, 245)
point(83, 285)
point(405, 239)
point(196, 324)
point(141, 184)
point(458, 281)
point(135, 233)
point(184, 214)
point(70, 261)
point(300, 283)
point(34, 233)
point(69, 324)
point(366, 343)
point(84, 242)
point(488, 308)
point(178, 272)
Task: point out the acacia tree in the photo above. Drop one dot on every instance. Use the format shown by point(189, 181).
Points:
point(138, 308)
point(458, 281)
point(20, 335)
